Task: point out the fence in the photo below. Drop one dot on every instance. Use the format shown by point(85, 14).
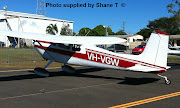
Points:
point(9, 55)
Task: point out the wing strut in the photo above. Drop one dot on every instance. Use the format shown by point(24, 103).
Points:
point(51, 59)
point(48, 64)
point(42, 71)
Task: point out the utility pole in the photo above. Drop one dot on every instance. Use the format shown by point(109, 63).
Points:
point(106, 34)
point(123, 26)
point(40, 10)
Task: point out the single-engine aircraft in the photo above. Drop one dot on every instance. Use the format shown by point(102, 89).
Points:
point(82, 50)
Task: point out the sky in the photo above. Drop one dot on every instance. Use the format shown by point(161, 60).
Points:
point(135, 13)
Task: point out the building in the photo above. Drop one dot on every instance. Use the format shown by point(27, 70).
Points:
point(132, 40)
point(175, 40)
point(24, 22)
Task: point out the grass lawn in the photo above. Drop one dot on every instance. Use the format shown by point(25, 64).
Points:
point(174, 59)
point(18, 55)
point(22, 58)
point(29, 65)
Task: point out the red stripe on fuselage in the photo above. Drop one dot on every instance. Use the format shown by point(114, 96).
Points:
point(44, 42)
point(105, 59)
point(100, 58)
point(143, 63)
point(37, 46)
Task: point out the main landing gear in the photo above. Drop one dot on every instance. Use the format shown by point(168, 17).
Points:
point(42, 71)
point(167, 81)
point(68, 69)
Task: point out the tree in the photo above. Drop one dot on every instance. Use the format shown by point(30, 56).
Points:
point(165, 24)
point(145, 32)
point(65, 30)
point(121, 32)
point(174, 7)
point(74, 33)
point(169, 25)
point(100, 31)
point(52, 29)
point(84, 31)
point(93, 33)
point(109, 30)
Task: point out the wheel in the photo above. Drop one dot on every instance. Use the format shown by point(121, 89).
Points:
point(168, 82)
point(41, 72)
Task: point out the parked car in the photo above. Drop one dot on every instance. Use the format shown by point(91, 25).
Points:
point(139, 49)
point(117, 48)
point(101, 46)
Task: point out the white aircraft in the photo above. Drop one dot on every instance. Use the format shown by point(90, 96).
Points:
point(79, 50)
point(173, 50)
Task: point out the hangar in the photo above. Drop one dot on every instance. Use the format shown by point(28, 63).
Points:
point(17, 21)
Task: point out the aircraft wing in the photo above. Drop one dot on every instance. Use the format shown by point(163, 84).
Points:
point(64, 39)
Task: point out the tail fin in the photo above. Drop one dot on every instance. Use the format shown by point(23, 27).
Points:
point(156, 49)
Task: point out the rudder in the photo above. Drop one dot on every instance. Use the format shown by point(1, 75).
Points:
point(156, 49)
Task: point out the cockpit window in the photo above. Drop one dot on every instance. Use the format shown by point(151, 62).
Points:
point(76, 47)
point(72, 47)
point(65, 46)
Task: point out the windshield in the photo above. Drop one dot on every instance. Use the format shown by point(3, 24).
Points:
point(140, 46)
point(112, 46)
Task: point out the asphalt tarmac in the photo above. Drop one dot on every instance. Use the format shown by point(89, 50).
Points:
point(88, 88)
